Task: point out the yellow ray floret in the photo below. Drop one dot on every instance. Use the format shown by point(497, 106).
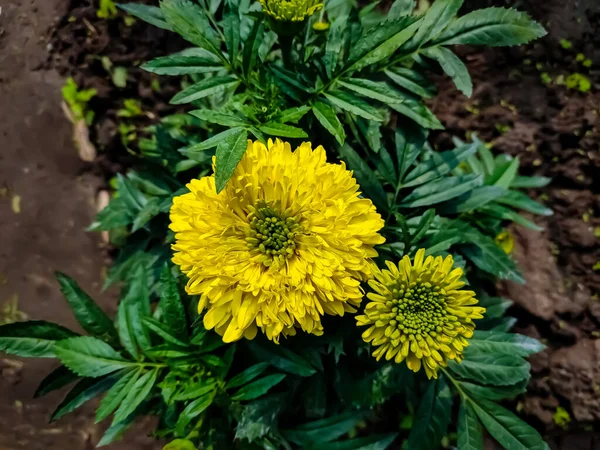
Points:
point(419, 313)
point(291, 10)
point(288, 240)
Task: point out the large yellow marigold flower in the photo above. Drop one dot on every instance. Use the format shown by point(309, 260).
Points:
point(288, 240)
point(291, 10)
point(419, 313)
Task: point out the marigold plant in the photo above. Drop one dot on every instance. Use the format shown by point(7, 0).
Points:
point(288, 240)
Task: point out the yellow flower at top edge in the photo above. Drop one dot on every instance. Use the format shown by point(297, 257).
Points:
point(420, 313)
point(291, 10)
point(288, 240)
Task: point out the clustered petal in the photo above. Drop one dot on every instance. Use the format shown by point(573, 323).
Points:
point(419, 313)
point(291, 10)
point(288, 240)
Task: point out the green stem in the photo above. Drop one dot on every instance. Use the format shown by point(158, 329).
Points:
point(286, 43)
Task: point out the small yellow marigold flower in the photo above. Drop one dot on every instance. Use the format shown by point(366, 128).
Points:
point(291, 10)
point(321, 26)
point(288, 240)
point(506, 241)
point(419, 313)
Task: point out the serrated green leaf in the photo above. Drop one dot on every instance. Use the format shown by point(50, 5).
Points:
point(192, 411)
point(353, 104)
point(282, 358)
point(282, 130)
point(191, 23)
point(136, 395)
point(377, 90)
point(510, 431)
point(220, 118)
point(437, 17)
point(147, 213)
point(259, 417)
point(82, 392)
point(335, 44)
point(369, 184)
point(472, 200)
point(417, 111)
point(211, 142)
point(126, 379)
point(401, 8)
point(126, 333)
point(247, 375)
point(504, 213)
point(441, 190)
point(89, 315)
point(432, 417)
point(89, 357)
point(160, 330)
point(493, 27)
point(494, 392)
point(381, 42)
point(116, 431)
point(522, 201)
point(34, 339)
point(229, 153)
point(495, 307)
point(151, 14)
point(204, 88)
point(453, 67)
point(196, 390)
point(326, 115)
point(491, 369)
point(172, 310)
point(292, 114)
point(56, 379)
point(470, 433)
point(258, 387)
point(324, 430)
point(231, 28)
point(409, 144)
point(252, 46)
point(505, 343)
point(186, 62)
point(412, 81)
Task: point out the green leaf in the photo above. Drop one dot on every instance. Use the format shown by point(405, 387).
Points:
point(126, 380)
point(258, 388)
point(432, 418)
point(504, 175)
point(89, 357)
point(136, 395)
point(529, 182)
point(326, 115)
point(147, 213)
point(453, 66)
point(196, 390)
point(180, 444)
point(470, 433)
point(190, 22)
point(210, 142)
point(353, 104)
point(282, 358)
point(259, 418)
point(126, 332)
point(189, 61)
point(495, 307)
point(369, 184)
point(116, 431)
point(441, 190)
point(160, 330)
point(417, 111)
point(374, 442)
point(115, 215)
point(252, 46)
point(506, 428)
point(204, 88)
point(229, 153)
point(282, 130)
point(151, 14)
point(34, 339)
point(377, 90)
point(82, 392)
point(504, 343)
point(221, 118)
point(412, 81)
point(247, 375)
point(89, 315)
point(401, 8)
point(437, 17)
point(231, 28)
point(504, 213)
point(472, 200)
point(292, 114)
point(172, 311)
point(381, 41)
point(335, 44)
point(495, 392)
point(192, 411)
point(324, 430)
point(496, 370)
point(57, 379)
point(522, 201)
point(409, 144)
point(493, 27)
point(490, 258)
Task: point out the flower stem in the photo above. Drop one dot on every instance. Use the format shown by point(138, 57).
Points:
point(286, 51)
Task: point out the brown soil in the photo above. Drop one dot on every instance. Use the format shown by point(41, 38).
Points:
point(46, 203)
point(522, 105)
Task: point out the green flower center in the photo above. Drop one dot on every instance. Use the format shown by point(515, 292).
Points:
point(418, 310)
point(271, 232)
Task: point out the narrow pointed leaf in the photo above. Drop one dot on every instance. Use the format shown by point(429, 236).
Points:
point(229, 153)
point(151, 14)
point(204, 88)
point(89, 357)
point(34, 339)
point(326, 115)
